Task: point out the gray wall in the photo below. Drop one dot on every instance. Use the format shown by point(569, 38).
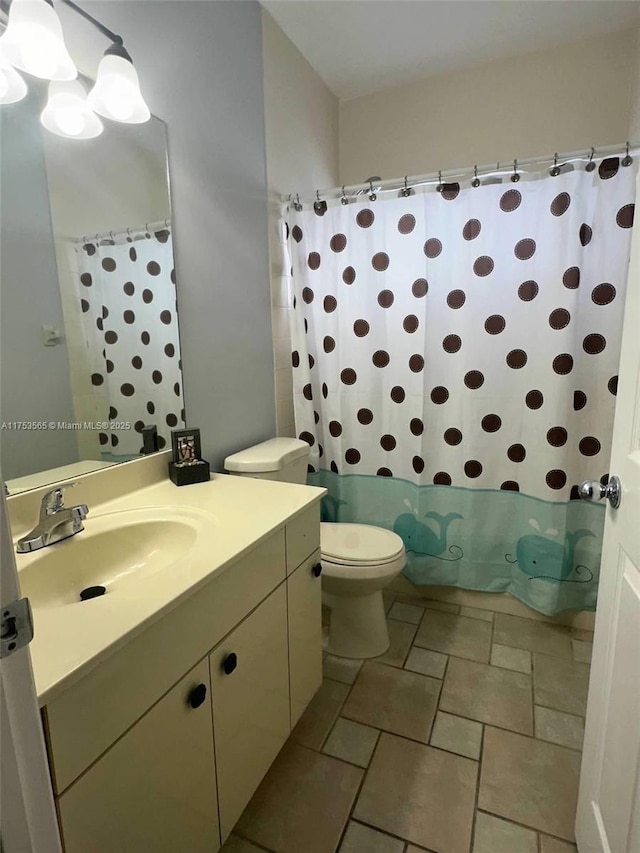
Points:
point(200, 67)
point(34, 379)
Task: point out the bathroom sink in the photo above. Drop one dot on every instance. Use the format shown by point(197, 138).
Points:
point(117, 551)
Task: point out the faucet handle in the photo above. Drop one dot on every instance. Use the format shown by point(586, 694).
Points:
point(53, 500)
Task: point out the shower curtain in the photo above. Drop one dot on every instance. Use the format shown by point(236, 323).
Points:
point(126, 288)
point(455, 359)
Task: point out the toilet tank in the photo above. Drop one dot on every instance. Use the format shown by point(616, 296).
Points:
point(282, 459)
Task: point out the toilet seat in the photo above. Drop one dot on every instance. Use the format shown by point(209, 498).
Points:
point(359, 545)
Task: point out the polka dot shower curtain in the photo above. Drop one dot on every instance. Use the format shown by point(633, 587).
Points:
point(126, 288)
point(455, 359)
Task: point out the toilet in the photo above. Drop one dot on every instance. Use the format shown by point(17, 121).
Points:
point(358, 560)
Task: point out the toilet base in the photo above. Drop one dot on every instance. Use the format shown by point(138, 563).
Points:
point(358, 627)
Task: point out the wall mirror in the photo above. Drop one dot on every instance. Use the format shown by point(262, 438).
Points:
point(89, 340)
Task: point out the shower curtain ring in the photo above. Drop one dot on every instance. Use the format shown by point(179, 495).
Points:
point(476, 180)
point(591, 165)
point(344, 199)
point(555, 170)
point(627, 160)
point(515, 177)
point(296, 205)
point(439, 187)
point(372, 195)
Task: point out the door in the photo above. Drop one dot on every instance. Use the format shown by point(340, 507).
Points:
point(608, 819)
point(27, 817)
point(305, 634)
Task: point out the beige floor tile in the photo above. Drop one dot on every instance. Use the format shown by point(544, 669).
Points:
point(421, 794)
point(456, 734)
point(394, 699)
point(426, 662)
point(388, 597)
point(235, 844)
point(303, 803)
point(552, 845)
point(362, 839)
point(477, 613)
point(532, 635)
point(582, 635)
point(530, 782)
point(341, 669)
point(401, 636)
point(560, 684)
point(351, 742)
point(558, 727)
point(406, 612)
point(444, 606)
point(316, 722)
point(494, 835)
point(519, 660)
point(412, 849)
point(582, 651)
point(455, 635)
point(488, 694)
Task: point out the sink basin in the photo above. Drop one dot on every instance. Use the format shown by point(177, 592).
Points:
point(116, 551)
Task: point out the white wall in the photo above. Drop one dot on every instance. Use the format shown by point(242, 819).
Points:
point(301, 121)
point(634, 119)
point(563, 99)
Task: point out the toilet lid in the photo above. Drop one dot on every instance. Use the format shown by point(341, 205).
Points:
point(355, 544)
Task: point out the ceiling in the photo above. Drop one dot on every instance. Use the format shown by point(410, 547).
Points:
point(363, 46)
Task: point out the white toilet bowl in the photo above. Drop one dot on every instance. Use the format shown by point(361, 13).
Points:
point(358, 562)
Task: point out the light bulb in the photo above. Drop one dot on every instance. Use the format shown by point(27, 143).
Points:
point(33, 41)
point(12, 86)
point(67, 112)
point(70, 120)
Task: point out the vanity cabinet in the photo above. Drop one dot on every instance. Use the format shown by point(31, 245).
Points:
point(305, 634)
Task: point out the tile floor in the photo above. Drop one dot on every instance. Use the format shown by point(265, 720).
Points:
point(464, 737)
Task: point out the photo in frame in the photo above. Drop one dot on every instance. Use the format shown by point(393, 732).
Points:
point(187, 465)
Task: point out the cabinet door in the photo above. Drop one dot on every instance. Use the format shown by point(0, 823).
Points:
point(154, 791)
point(250, 689)
point(305, 635)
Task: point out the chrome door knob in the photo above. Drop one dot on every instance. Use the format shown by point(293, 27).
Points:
point(593, 490)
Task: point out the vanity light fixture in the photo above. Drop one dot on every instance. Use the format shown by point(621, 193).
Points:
point(116, 93)
point(33, 41)
point(67, 112)
point(12, 86)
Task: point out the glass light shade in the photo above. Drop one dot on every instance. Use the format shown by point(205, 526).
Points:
point(67, 112)
point(116, 94)
point(12, 86)
point(33, 41)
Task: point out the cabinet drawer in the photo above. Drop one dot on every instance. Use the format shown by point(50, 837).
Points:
point(303, 536)
point(154, 791)
point(305, 635)
point(86, 719)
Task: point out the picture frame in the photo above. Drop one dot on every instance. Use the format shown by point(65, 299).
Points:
point(186, 446)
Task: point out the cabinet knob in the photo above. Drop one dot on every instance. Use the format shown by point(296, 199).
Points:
point(230, 663)
point(317, 570)
point(197, 695)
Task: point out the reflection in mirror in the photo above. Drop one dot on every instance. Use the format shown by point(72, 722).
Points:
point(89, 340)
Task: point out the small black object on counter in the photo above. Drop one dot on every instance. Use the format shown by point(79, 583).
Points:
point(187, 466)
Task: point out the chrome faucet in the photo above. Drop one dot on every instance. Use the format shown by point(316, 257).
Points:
point(56, 522)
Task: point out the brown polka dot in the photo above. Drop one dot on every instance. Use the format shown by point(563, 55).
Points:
point(534, 399)
point(563, 364)
point(574, 494)
point(384, 472)
point(295, 359)
point(296, 233)
point(380, 358)
point(594, 344)
point(334, 467)
point(385, 299)
point(147, 296)
point(84, 305)
point(338, 243)
point(516, 453)
point(330, 304)
point(169, 350)
point(452, 436)
point(365, 416)
point(348, 376)
point(316, 417)
point(113, 413)
point(483, 266)
point(165, 317)
point(416, 363)
point(127, 390)
point(418, 464)
point(388, 442)
point(406, 223)
point(510, 201)
point(585, 234)
point(86, 279)
point(456, 299)
point(328, 344)
point(352, 456)
point(320, 208)
point(579, 400)
point(172, 276)
point(571, 278)
point(145, 337)
point(335, 428)
point(307, 295)
point(609, 167)
point(151, 408)
point(559, 318)
point(439, 395)
point(603, 294)
point(589, 446)
point(528, 290)
point(612, 385)
point(472, 468)
point(97, 379)
point(556, 479)
point(110, 337)
point(172, 420)
point(474, 379)
point(557, 436)
point(471, 229)
point(313, 261)
point(560, 204)
point(397, 394)
point(442, 479)
point(157, 377)
point(416, 426)
point(306, 436)
point(433, 247)
point(162, 236)
point(129, 288)
point(450, 191)
point(136, 362)
point(176, 389)
point(110, 366)
point(311, 361)
point(108, 264)
point(495, 324)
point(510, 486)
point(325, 390)
point(624, 217)
point(452, 343)
point(361, 328)
point(491, 423)
point(380, 261)
point(103, 438)
point(525, 249)
point(516, 359)
point(420, 287)
point(153, 268)
point(349, 275)
point(89, 248)
point(307, 392)
point(100, 324)
point(410, 323)
point(105, 312)
point(365, 218)
point(115, 441)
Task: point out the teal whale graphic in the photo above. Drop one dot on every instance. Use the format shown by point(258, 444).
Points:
point(421, 539)
point(544, 559)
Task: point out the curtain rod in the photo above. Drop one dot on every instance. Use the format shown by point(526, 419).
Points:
point(110, 235)
point(470, 172)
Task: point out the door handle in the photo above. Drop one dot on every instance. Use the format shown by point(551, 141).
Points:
point(593, 490)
